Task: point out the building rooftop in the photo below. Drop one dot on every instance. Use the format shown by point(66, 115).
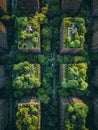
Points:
point(71, 5)
point(3, 37)
point(29, 100)
point(3, 76)
point(30, 6)
point(3, 5)
point(95, 39)
point(70, 29)
point(95, 8)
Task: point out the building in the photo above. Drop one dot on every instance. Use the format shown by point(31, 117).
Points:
point(95, 39)
point(3, 39)
point(95, 8)
point(3, 76)
point(4, 114)
point(30, 6)
point(34, 103)
point(71, 5)
point(71, 101)
point(95, 112)
point(3, 6)
point(95, 77)
point(69, 29)
point(69, 76)
point(31, 42)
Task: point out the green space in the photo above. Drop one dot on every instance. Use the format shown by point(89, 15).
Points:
point(74, 76)
point(26, 77)
point(74, 32)
point(27, 117)
point(75, 116)
point(28, 33)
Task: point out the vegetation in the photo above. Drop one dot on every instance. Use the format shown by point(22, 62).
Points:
point(74, 32)
point(26, 77)
point(29, 29)
point(75, 116)
point(49, 18)
point(75, 76)
point(27, 117)
point(28, 33)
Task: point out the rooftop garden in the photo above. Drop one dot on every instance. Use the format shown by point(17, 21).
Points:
point(26, 77)
point(75, 116)
point(28, 33)
point(27, 117)
point(74, 76)
point(74, 32)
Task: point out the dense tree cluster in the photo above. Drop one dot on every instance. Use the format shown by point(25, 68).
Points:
point(46, 24)
point(27, 117)
point(26, 77)
point(75, 76)
point(74, 32)
point(75, 115)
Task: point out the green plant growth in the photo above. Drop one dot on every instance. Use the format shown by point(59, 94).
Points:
point(75, 116)
point(26, 77)
point(74, 32)
point(75, 76)
point(28, 33)
point(27, 117)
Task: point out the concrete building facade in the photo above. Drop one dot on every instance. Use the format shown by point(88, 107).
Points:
point(3, 39)
point(95, 112)
point(30, 6)
point(64, 102)
point(32, 101)
point(95, 8)
point(4, 114)
point(3, 6)
point(95, 39)
point(3, 77)
point(70, 5)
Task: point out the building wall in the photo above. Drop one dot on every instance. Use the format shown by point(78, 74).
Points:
point(4, 113)
point(95, 38)
point(95, 77)
point(30, 6)
point(95, 8)
point(3, 37)
point(3, 76)
point(35, 101)
point(64, 50)
point(3, 5)
point(71, 5)
point(95, 111)
point(63, 102)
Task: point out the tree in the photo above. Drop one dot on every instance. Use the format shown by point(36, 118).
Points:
point(22, 21)
point(64, 84)
point(72, 44)
point(44, 95)
point(73, 84)
point(75, 115)
point(44, 9)
point(26, 77)
point(46, 32)
point(77, 43)
point(83, 28)
point(70, 109)
point(68, 39)
point(26, 117)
